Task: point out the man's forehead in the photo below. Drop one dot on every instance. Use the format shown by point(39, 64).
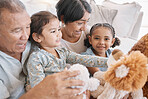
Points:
point(18, 15)
point(13, 20)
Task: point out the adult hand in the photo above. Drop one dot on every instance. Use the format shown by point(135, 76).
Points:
point(56, 86)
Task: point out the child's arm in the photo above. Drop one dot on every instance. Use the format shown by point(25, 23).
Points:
point(87, 60)
point(35, 69)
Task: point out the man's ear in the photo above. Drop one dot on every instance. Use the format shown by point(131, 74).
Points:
point(36, 37)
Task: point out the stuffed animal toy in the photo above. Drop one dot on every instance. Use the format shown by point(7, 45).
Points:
point(116, 54)
point(90, 83)
point(126, 73)
point(142, 46)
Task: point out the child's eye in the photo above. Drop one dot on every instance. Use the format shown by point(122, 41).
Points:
point(52, 31)
point(59, 29)
point(107, 39)
point(28, 26)
point(96, 38)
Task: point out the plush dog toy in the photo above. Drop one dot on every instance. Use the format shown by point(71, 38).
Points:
point(90, 83)
point(126, 73)
point(142, 46)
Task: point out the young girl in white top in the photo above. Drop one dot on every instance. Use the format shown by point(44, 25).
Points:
point(99, 41)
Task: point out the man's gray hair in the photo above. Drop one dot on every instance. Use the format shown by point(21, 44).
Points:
point(12, 6)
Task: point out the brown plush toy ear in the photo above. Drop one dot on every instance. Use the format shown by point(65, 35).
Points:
point(116, 53)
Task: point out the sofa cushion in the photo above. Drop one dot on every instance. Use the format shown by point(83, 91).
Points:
point(126, 17)
point(101, 14)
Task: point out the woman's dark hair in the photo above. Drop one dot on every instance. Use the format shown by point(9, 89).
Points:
point(38, 21)
point(72, 10)
point(94, 27)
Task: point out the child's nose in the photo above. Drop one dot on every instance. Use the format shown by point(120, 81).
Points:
point(101, 41)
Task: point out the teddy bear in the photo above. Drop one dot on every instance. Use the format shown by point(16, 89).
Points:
point(142, 46)
point(91, 83)
point(125, 74)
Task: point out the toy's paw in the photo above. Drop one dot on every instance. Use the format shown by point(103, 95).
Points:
point(100, 76)
point(97, 92)
point(93, 84)
point(120, 94)
point(108, 92)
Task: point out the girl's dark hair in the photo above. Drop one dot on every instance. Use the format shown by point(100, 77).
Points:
point(38, 21)
point(94, 27)
point(72, 10)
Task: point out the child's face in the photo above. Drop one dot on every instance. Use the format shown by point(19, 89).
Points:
point(101, 39)
point(51, 34)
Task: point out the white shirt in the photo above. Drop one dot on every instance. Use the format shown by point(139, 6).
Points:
point(12, 78)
